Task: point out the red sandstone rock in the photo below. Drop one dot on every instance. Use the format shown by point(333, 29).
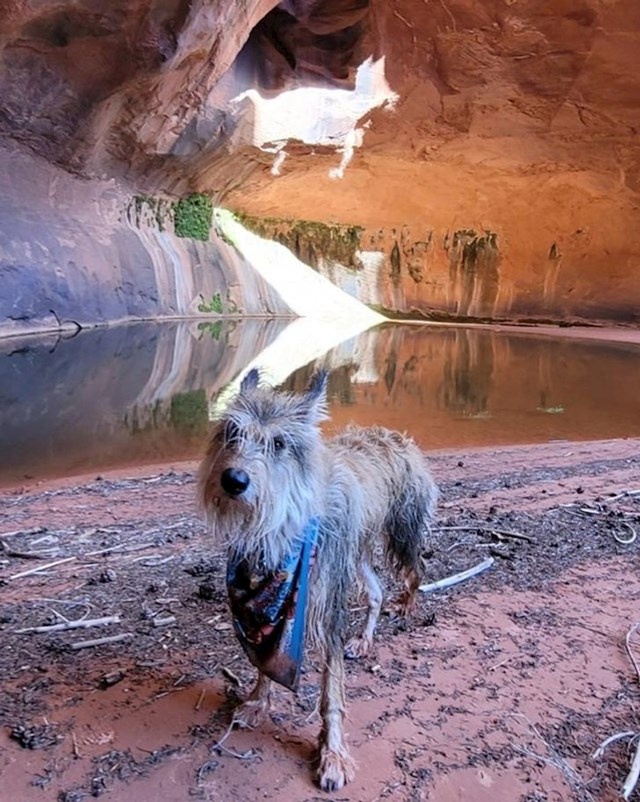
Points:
point(515, 121)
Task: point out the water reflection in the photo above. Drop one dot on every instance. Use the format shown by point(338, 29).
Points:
point(145, 393)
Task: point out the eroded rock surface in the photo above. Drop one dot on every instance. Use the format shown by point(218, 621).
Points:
point(502, 182)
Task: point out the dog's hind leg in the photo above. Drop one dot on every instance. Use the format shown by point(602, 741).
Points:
point(408, 527)
point(360, 645)
point(406, 601)
point(255, 710)
point(336, 767)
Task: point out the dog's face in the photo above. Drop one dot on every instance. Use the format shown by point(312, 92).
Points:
point(259, 479)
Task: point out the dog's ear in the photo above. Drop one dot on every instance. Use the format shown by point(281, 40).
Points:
point(315, 398)
point(250, 381)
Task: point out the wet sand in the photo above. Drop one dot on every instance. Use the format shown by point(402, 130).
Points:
point(498, 689)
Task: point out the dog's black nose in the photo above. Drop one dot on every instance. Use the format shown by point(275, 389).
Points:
point(234, 482)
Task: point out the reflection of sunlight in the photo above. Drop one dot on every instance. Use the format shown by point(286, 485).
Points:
point(320, 115)
point(303, 341)
point(328, 316)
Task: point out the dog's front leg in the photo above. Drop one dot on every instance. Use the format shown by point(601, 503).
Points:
point(360, 645)
point(255, 710)
point(336, 765)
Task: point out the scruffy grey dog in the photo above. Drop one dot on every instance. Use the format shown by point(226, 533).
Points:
point(266, 473)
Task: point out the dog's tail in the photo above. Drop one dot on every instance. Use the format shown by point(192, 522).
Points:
point(408, 522)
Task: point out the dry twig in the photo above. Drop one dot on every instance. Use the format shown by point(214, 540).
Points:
point(628, 540)
point(461, 577)
point(624, 494)
point(41, 568)
point(634, 772)
point(633, 775)
point(23, 555)
point(35, 530)
point(164, 622)
point(610, 740)
point(250, 754)
point(627, 643)
point(82, 623)
point(85, 644)
point(118, 548)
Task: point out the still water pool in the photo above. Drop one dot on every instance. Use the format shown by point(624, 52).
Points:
point(145, 393)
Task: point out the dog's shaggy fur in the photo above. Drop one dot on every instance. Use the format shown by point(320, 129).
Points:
point(266, 473)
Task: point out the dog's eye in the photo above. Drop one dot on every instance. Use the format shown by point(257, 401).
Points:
point(231, 432)
point(278, 443)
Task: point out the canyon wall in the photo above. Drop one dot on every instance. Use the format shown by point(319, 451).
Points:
point(75, 253)
point(487, 152)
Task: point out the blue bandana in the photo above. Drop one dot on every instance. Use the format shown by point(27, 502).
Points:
point(269, 610)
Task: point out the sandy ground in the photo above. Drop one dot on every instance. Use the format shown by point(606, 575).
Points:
point(498, 689)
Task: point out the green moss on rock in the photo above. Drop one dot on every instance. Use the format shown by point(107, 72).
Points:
point(189, 410)
point(311, 241)
point(192, 216)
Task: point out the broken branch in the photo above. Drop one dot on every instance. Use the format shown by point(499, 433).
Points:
point(627, 643)
point(83, 623)
point(41, 568)
point(461, 577)
point(634, 773)
point(85, 644)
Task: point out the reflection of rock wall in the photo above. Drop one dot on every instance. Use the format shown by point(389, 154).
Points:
point(143, 393)
point(69, 253)
point(517, 119)
point(472, 387)
point(118, 395)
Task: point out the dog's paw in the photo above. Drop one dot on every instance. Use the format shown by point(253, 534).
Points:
point(357, 647)
point(251, 713)
point(336, 769)
point(404, 604)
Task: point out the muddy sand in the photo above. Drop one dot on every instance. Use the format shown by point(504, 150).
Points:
point(497, 689)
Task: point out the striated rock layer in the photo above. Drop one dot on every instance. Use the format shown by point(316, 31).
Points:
point(504, 184)
point(77, 253)
point(492, 160)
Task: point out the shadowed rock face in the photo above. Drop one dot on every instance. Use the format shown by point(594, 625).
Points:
point(516, 119)
point(119, 82)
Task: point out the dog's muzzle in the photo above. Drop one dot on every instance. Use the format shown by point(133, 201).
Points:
point(234, 482)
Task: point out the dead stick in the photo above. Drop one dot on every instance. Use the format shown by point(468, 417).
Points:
point(479, 527)
point(626, 541)
point(24, 555)
point(634, 773)
point(41, 568)
point(219, 745)
point(453, 580)
point(610, 740)
point(627, 643)
point(164, 622)
point(623, 494)
point(516, 535)
point(85, 644)
point(85, 623)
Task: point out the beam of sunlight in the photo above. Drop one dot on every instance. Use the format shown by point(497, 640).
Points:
point(303, 289)
point(328, 316)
